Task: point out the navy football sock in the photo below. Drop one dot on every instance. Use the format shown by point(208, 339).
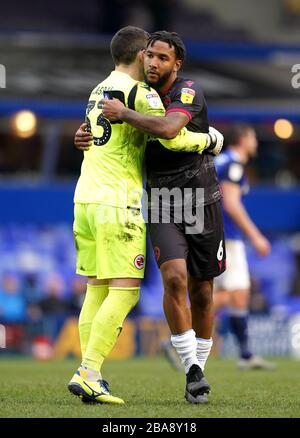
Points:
point(239, 328)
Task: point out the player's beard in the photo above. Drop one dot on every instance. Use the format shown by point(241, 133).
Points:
point(160, 82)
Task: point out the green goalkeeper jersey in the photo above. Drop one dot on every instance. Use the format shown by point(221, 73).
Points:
point(111, 171)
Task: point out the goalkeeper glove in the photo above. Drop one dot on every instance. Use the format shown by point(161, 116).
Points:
point(214, 141)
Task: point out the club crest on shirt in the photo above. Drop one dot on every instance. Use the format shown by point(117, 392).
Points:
point(139, 261)
point(154, 100)
point(187, 95)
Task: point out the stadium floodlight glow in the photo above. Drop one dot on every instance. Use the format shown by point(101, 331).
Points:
point(283, 128)
point(24, 123)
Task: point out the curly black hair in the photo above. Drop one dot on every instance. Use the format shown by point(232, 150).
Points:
point(171, 38)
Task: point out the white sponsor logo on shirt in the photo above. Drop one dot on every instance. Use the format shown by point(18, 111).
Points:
point(154, 100)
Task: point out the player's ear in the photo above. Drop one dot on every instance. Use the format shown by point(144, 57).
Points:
point(177, 65)
point(141, 55)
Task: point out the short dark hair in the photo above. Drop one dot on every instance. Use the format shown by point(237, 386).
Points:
point(171, 38)
point(126, 44)
point(236, 132)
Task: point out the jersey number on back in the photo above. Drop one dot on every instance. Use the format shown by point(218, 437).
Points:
point(101, 120)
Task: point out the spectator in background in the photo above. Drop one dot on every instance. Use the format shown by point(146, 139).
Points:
point(78, 288)
point(32, 290)
point(232, 288)
point(12, 312)
point(54, 303)
point(54, 308)
point(12, 302)
point(47, 316)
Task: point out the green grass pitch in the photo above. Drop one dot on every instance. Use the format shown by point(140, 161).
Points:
point(150, 388)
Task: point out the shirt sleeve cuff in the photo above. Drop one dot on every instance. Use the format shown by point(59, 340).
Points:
point(180, 110)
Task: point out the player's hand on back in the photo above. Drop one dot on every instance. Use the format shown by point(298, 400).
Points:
point(262, 245)
point(215, 141)
point(113, 109)
point(83, 139)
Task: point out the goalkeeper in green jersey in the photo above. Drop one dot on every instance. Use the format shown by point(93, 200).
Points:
point(109, 229)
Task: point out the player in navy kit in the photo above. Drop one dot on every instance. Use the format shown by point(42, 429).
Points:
point(233, 286)
point(188, 262)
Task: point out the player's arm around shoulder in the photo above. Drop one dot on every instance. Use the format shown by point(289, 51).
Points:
point(147, 107)
point(167, 127)
point(148, 116)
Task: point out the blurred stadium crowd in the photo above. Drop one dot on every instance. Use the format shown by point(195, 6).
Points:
point(54, 54)
point(39, 291)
